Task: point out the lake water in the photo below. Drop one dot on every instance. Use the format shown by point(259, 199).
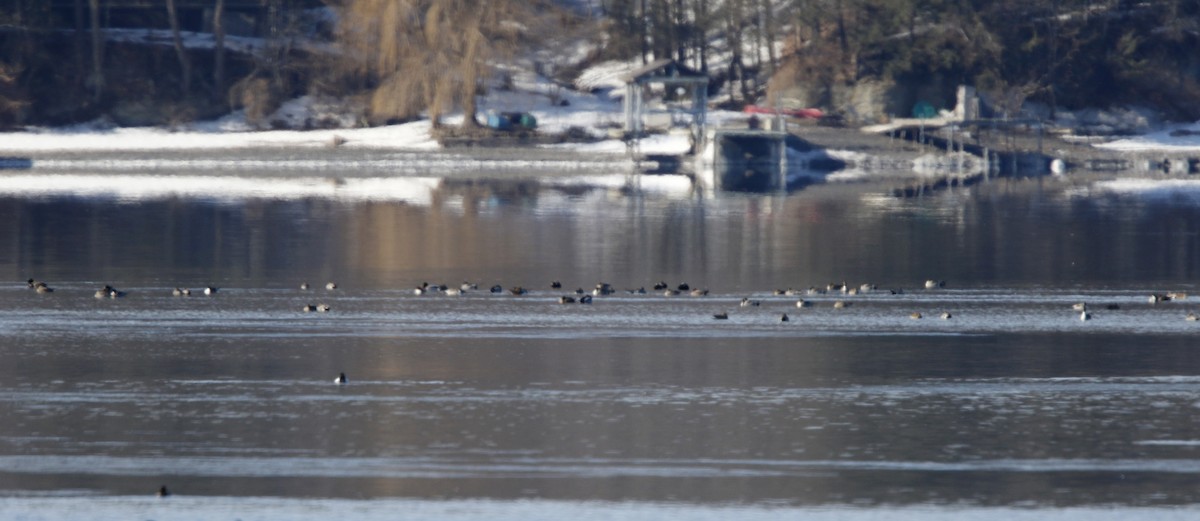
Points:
point(495, 406)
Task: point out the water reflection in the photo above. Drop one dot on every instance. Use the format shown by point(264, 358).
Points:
point(1003, 232)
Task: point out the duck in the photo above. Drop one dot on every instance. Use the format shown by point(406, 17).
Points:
point(867, 288)
point(422, 289)
point(579, 291)
point(209, 290)
point(308, 308)
point(556, 285)
point(670, 292)
point(1085, 316)
point(803, 303)
point(721, 316)
point(1191, 317)
point(331, 285)
point(793, 292)
point(1156, 298)
point(39, 286)
point(468, 286)
point(566, 300)
point(496, 289)
point(746, 302)
point(946, 315)
point(303, 286)
point(1177, 295)
point(109, 292)
point(639, 291)
point(323, 308)
point(602, 288)
point(1079, 306)
point(341, 379)
point(813, 290)
point(1112, 307)
point(659, 286)
point(452, 292)
point(517, 290)
point(783, 317)
point(163, 492)
point(683, 287)
point(915, 315)
point(181, 292)
point(840, 304)
point(934, 284)
point(699, 292)
point(586, 299)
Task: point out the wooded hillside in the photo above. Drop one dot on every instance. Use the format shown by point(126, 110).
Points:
point(64, 61)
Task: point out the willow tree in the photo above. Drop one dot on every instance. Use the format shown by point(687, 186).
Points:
point(434, 55)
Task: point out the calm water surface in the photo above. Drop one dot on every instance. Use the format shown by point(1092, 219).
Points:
point(1013, 402)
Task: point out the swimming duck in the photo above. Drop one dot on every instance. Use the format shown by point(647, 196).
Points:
point(468, 286)
point(210, 290)
point(721, 316)
point(699, 292)
point(1079, 306)
point(746, 302)
point(330, 285)
point(659, 286)
point(934, 284)
point(639, 291)
point(323, 308)
point(866, 287)
point(915, 315)
point(586, 299)
point(840, 304)
point(783, 317)
point(603, 288)
point(303, 286)
point(1085, 316)
point(497, 289)
point(163, 492)
point(181, 292)
point(793, 292)
point(452, 292)
point(39, 286)
point(579, 291)
point(517, 290)
point(1112, 307)
point(341, 379)
point(1156, 298)
point(946, 315)
point(1177, 295)
point(1191, 317)
point(556, 285)
point(683, 287)
point(670, 292)
point(803, 303)
point(566, 300)
point(308, 308)
point(109, 292)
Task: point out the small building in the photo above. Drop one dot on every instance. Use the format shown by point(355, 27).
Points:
point(685, 94)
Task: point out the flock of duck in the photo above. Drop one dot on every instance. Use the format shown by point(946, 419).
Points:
point(580, 296)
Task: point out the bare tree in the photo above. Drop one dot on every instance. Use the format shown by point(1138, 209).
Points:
point(218, 29)
point(185, 63)
point(434, 54)
point(95, 81)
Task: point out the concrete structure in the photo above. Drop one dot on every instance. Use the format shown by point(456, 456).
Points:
point(744, 160)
